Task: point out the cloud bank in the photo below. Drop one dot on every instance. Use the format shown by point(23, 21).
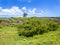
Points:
point(15, 11)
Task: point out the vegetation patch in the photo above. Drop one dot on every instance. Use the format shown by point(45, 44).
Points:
point(35, 26)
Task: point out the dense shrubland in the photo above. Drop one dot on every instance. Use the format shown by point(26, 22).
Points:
point(31, 26)
point(34, 26)
point(15, 31)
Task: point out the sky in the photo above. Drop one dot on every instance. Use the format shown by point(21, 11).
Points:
point(39, 8)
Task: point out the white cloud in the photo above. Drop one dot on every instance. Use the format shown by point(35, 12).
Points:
point(16, 11)
point(33, 11)
point(0, 8)
point(24, 8)
point(12, 11)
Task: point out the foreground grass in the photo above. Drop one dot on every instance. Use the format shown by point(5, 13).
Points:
point(9, 36)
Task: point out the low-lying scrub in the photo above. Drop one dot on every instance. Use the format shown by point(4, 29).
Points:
point(32, 27)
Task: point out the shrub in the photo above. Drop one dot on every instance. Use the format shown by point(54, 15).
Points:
point(52, 26)
point(33, 27)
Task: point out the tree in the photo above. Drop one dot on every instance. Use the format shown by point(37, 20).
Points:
point(25, 15)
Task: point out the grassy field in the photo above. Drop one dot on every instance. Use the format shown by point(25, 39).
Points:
point(9, 32)
point(9, 36)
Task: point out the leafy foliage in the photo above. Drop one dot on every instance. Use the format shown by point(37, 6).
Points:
point(34, 26)
point(25, 15)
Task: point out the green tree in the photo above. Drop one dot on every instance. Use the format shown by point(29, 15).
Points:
point(25, 15)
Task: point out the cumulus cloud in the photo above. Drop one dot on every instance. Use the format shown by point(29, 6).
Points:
point(16, 11)
point(0, 8)
point(24, 8)
point(13, 11)
point(33, 11)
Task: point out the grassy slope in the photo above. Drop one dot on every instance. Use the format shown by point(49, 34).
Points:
point(9, 37)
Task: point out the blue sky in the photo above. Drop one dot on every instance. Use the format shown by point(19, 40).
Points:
point(41, 8)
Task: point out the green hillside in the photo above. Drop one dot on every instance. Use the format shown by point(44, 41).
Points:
point(30, 31)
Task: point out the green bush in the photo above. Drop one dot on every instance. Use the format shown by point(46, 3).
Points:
point(34, 26)
point(52, 26)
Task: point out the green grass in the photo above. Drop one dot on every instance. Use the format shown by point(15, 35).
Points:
point(9, 36)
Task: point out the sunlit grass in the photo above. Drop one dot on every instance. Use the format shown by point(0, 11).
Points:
point(9, 36)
